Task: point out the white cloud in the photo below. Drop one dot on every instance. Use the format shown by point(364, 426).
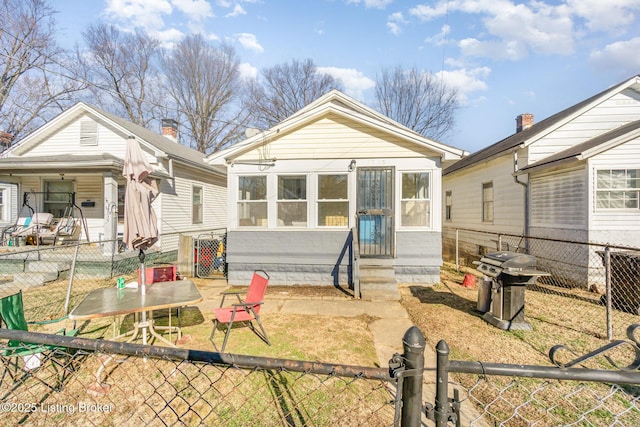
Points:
point(394, 22)
point(466, 81)
point(440, 38)
point(608, 16)
point(146, 13)
point(248, 71)
point(237, 11)
point(620, 56)
point(354, 81)
point(374, 4)
point(168, 38)
point(513, 31)
point(249, 41)
point(196, 10)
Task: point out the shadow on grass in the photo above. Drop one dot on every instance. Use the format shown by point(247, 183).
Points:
point(431, 295)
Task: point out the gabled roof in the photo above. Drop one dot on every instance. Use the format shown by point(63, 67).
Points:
point(338, 103)
point(589, 148)
point(539, 129)
point(162, 146)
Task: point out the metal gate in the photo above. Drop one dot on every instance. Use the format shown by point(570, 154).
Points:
point(210, 254)
point(375, 212)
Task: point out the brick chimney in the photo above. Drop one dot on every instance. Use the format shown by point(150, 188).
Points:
point(170, 129)
point(524, 121)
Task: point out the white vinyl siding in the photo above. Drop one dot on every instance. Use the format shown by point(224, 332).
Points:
point(508, 214)
point(559, 199)
point(625, 222)
point(332, 137)
point(610, 114)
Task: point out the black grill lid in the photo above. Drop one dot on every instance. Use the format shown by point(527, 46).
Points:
point(506, 259)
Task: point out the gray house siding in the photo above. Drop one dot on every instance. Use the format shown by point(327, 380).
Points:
point(289, 257)
point(314, 258)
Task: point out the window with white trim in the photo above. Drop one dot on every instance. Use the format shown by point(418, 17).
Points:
point(487, 201)
point(196, 205)
point(333, 201)
point(57, 196)
point(447, 205)
point(617, 188)
point(292, 201)
point(2, 203)
point(415, 202)
point(252, 201)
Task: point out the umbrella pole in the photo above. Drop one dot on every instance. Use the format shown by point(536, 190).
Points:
point(143, 288)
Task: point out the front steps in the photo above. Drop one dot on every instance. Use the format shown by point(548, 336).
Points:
point(37, 273)
point(378, 280)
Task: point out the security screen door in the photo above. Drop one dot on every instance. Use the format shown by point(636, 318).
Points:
point(375, 212)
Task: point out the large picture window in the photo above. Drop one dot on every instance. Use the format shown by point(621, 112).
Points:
point(292, 201)
point(252, 201)
point(333, 201)
point(487, 202)
point(416, 199)
point(617, 188)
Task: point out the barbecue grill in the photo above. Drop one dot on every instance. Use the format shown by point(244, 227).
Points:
point(506, 275)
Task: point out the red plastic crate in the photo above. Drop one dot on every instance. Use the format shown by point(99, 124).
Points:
point(159, 273)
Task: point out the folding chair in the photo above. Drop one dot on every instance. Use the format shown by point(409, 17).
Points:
point(12, 314)
point(246, 310)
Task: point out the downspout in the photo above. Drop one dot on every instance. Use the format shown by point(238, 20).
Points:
point(526, 193)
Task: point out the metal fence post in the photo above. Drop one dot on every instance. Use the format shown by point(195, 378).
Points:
point(414, 345)
point(457, 254)
point(607, 272)
point(442, 384)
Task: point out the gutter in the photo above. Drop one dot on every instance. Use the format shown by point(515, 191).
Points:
point(526, 191)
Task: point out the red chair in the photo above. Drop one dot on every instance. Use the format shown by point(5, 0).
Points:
point(246, 310)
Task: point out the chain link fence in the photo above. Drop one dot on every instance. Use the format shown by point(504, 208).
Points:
point(593, 288)
point(85, 381)
point(102, 383)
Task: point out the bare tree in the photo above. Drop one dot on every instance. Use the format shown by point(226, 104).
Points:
point(418, 100)
point(35, 82)
point(204, 81)
point(285, 89)
point(123, 70)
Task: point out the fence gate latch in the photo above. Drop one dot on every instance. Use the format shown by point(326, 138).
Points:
point(396, 365)
point(453, 410)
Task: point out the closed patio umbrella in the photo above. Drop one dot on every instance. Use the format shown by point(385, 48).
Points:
point(140, 223)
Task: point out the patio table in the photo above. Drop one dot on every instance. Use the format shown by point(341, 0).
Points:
point(109, 302)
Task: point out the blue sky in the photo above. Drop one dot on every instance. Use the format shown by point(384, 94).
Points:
point(505, 57)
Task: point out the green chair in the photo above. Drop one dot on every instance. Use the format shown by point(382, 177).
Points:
point(12, 316)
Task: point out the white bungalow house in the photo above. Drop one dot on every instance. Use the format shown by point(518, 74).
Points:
point(573, 176)
point(297, 190)
point(81, 152)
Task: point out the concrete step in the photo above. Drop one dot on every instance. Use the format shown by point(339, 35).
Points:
point(379, 294)
point(33, 280)
point(47, 266)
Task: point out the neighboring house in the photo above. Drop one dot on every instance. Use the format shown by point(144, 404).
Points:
point(573, 176)
point(296, 190)
point(81, 151)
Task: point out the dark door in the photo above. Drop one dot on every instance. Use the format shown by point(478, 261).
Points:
point(375, 211)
